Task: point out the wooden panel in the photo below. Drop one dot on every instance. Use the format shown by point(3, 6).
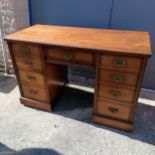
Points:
point(127, 126)
point(118, 77)
point(29, 63)
point(36, 104)
point(24, 49)
point(113, 109)
point(31, 77)
point(138, 88)
point(15, 67)
point(116, 93)
point(132, 42)
point(70, 55)
point(121, 63)
point(56, 77)
point(96, 82)
point(35, 93)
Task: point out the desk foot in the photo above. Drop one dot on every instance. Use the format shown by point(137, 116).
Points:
point(36, 104)
point(126, 126)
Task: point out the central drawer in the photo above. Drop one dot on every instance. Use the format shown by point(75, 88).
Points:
point(70, 55)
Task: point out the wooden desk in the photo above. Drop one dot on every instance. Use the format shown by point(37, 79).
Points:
point(41, 54)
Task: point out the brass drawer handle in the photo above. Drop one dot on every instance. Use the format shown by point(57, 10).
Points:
point(33, 92)
point(30, 78)
point(119, 63)
point(25, 51)
point(68, 56)
point(117, 77)
point(28, 63)
point(113, 110)
point(115, 93)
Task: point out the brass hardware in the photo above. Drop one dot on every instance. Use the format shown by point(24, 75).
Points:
point(117, 77)
point(68, 56)
point(119, 63)
point(25, 51)
point(28, 63)
point(33, 92)
point(30, 78)
point(113, 110)
point(115, 93)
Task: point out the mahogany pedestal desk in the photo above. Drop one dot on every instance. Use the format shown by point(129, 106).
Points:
point(41, 54)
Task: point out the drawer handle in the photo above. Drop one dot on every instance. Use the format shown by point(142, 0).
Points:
point(28, 63)
point(68, 56)
point(25, 51)
point(113, 110)
point(30, 78)
point(117, 77)
point(119, 63)
point(33, 92)
point(115, 93)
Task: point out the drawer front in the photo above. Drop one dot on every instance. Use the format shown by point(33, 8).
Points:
point(121, 63)
point(31, 77)
point(118, 77)
point(108, 108)
point(116, 93)
point(35, 93)
point(23, 49)
point(71, 56)
point(29, 63)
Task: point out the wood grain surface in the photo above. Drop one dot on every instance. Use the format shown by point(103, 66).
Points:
point(133, 42)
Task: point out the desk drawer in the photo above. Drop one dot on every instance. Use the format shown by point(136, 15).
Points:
point(118, 77)
point(121, 63)
point(116, 93)
point(24, 49)
point(71, 56)
point(35, 93)
point(29, 63)
point(31, 77)
point(108, 108)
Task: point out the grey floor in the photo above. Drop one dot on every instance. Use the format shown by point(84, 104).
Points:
point(69, 131)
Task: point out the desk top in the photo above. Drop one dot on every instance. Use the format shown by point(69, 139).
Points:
point(131, 42)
